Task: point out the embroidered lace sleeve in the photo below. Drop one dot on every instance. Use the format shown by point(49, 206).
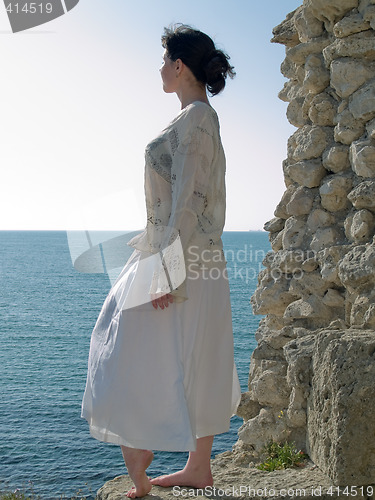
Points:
point(191, 169)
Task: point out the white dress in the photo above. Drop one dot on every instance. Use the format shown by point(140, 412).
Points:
point(160, 379)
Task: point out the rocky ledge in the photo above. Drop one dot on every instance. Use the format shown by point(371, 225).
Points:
point(237, 477)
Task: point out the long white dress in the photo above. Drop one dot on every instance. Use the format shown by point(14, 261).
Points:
point(160, 379)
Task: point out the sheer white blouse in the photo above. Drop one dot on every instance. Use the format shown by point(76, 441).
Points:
point(185, 201)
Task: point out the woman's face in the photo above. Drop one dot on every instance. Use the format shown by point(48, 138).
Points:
point(168, 74)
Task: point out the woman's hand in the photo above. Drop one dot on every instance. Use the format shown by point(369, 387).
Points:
point(159, 300)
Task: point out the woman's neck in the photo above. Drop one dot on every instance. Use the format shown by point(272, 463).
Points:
point(188, 96)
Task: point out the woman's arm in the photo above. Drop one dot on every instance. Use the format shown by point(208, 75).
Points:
point(190, 172)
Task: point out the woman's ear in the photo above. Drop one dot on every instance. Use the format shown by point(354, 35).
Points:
point(178, 66)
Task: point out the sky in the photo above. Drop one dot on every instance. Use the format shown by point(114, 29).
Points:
point(81, 97)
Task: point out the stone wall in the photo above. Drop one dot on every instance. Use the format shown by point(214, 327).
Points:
point(313, 369)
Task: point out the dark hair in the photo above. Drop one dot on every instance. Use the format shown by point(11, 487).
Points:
point(209, 65)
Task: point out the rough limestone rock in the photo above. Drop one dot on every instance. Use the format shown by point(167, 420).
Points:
point(323, 110)
point(334, 191)
point(317, 76)
point(360, 226)
point(274, 225)
point(348, 129)
point(352, 23)
point(319, 219)
point(236, 477)
point(330, 11)
point(280, 210)
point(362, 102)
point(356, 268)
point(301, 202)
point(319, 279)
point(358, 46)
point(370, 129)
point(294, 232)
point(286, 32)
point(295, 113)
point(325, 237)
point(336, 158)
point(363, 195)
point(307, 173)
point(362, 157)
point(270, 378)
point(308, 142)
point(307, 25)
point(300, 52)
point(347, 75)
point(341, 406)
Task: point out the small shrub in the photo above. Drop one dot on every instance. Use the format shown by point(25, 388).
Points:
point(281, 456)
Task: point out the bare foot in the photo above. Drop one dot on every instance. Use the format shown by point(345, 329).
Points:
point(194, 478)
point(136, 462)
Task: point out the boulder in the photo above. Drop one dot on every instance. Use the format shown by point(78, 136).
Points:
point(356, 269)
point(357, 46)
point(334, 191)
point(325, 237)
point(310, 307)
point(267, 383)
point(363, 195)
point(301, 201)
point(330, 11)
point(362, 157)
point(323, 110)
point(362, 313)
point(341, 406)
point(336, 158)
point(272, 295)
point(353, 23)
point(317, 76)
point(359, 226)
point(280, 210)
point(286, 32)
point(369, 15)
point(348, 129)
point(319, 218)
point(362, 102)
point(307, 25)
point(299, 53)
point(294, 232)
point(296, 113)
point(308, 173)
point(370, 129)
point(348, 74)
point(308, 142)
point(285, 261)
point(274, 225)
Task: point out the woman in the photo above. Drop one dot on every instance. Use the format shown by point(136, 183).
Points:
point(161, 373)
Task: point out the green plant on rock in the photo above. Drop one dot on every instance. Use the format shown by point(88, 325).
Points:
point(281, 456)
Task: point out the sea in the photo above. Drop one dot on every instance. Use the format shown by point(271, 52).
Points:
point(47, 312)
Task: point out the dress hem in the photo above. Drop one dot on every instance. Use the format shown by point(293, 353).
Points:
point(109, 437)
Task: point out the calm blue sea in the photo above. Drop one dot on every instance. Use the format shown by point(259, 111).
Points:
point(47, 313)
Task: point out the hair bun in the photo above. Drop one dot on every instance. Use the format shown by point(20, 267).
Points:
point(217, 68)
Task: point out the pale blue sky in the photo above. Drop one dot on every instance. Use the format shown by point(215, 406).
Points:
point(82, 96)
